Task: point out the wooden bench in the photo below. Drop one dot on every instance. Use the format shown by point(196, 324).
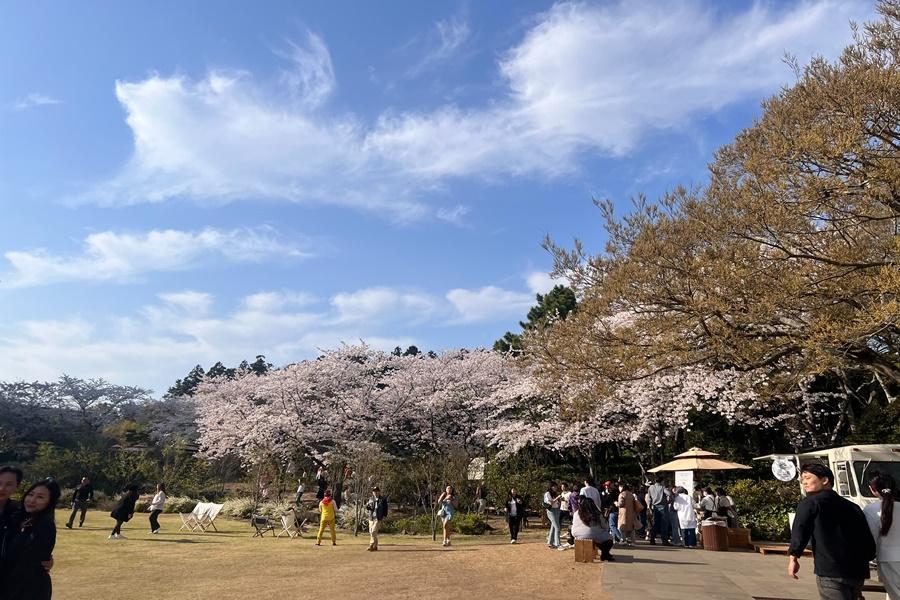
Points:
point(585, 551)
point(782, 549)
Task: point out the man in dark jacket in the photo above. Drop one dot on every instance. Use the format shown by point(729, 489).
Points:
point(81, 499)
point(10, 513)
point(841, 543)
point(378, 509)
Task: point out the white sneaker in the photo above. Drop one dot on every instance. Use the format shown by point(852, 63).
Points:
point(111, 536)
point(512, 541)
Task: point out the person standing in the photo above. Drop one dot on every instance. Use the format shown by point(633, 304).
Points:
point(321, 482)
point(515, 509)
point(551, 505)
point(880, 516)
point(725, 507)
point(658, 500)
point(327, 517)
point(378, 510)
point(156, 506)
point(301, 488)
point(841, 542)
point(672, 514)
point(687, 517)
point(565, 514)
point(81, 499)
point(447, 503)
point(31, 546)
point(629, 508)
point(123, 511)
point(608, 506)
point(481, 493)
point(10, 514)
point(590, 491)
point(708, 503)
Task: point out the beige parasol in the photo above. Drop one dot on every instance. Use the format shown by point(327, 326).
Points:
point(697, 459)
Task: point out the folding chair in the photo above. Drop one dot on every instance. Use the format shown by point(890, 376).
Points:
point(288, 526)
point(192, 520)
point(261, 525)
point(208, 518)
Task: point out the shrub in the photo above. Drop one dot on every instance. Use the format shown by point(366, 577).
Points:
point(763, 506)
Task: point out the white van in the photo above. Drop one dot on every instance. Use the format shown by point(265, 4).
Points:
point(852, 466)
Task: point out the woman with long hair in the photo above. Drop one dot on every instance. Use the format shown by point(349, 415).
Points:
point(551, 501)
point(880, 516)
point(32, 544)
point(447, 505)
point(156, 506)
point(588, 523)
point(515, 508)
point(123, 511)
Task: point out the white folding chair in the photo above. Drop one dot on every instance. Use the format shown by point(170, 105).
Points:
point(288, 526)
point(208, 518)
point(193, 519)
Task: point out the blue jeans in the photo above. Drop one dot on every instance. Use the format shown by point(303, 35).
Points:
point(614, 526)
point(553, 536)
point(690, 537)
point(660, 524)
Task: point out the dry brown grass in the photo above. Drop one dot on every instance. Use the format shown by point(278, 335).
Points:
point(231, 565)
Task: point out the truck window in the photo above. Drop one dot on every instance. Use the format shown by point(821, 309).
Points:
point(845, 486)
point(864, 470)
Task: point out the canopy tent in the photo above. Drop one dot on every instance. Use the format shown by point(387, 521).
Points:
point(697, 459)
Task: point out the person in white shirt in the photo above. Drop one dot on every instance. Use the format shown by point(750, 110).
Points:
point(551, 505)
point(156, 506)
point(590, 491)
point(687, 517)
point(301, 488)
point(515, 510)
point(880, 517)
point(564, 514)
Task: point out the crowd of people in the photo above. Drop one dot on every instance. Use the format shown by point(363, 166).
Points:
point(844, 538)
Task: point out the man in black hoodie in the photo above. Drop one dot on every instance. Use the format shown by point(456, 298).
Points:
point(841, 543)
point(81, 499)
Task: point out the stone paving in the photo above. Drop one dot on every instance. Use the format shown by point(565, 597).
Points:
point(647, 572)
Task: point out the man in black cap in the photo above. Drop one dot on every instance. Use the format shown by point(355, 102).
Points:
point(81, 499)
point(378, 509)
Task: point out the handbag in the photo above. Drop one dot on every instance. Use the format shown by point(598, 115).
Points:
point(638, 507)
point(441, 513)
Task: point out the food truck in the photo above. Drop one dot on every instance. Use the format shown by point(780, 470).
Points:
point(852, 467)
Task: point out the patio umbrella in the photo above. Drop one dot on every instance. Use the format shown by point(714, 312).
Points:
point(697, 459)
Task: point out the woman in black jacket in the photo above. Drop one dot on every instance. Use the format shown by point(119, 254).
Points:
point(123, 511)
point(515, 511)
point(32, 545)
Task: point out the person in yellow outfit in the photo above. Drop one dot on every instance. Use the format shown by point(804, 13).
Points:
point(326, 517)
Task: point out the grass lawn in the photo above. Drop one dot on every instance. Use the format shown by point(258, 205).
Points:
point(231, 564)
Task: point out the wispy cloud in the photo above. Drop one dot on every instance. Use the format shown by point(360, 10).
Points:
point(112, 256)
point(440, 45)
point(35, 99)
point(585, 80)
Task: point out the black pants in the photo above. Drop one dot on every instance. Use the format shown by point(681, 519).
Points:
point(78, 505)
point(605, 547)
point(514, 523)
point(118, 528)
point(154, 520)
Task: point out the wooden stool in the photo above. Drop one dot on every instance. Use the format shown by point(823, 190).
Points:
point(585, 551)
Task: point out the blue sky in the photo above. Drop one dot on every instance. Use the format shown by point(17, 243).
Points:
point(182, 183)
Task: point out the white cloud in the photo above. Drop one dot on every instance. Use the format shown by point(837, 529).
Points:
point(383, 303)
point(540, 282)
point(584, 80)
point(488, 303)
point(111, 256)
point(35, 99)
point(196, 303)
point(163, 339)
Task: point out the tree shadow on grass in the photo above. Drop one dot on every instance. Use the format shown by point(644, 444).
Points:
point(628, 559)
point(181, 541)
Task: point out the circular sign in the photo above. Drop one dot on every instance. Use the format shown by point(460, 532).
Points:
point(784, 469)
